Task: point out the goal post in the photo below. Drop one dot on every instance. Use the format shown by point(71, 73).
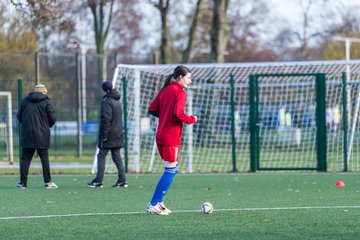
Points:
point(6, 127)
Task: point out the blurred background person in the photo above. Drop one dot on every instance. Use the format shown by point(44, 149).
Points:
point(111, 136)
point(37, 116)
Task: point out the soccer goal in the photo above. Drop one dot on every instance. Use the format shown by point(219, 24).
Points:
point(220, 141)
point(6, 128)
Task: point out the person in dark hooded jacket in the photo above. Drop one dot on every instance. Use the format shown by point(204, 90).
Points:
point(37, 116)
point(111, 136)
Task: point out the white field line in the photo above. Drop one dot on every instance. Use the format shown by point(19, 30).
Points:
point(179, 211)
point(240, 174)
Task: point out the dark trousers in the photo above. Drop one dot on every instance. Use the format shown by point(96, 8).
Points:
point(27, 155)
point(101, 157)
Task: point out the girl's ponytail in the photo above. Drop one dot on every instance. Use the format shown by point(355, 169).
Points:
point(167, 81)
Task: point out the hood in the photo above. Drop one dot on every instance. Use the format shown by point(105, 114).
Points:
point(113, 94)
point(36, 97)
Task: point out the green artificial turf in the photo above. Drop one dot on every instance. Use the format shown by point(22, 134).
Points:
point(246, 206)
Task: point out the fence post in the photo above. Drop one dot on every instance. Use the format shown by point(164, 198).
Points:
point(233, 129)
point(123, 79)
point(321, 122)
point(189, 128)
point(344, 107)
point(37, 68)
point(79, 101)
point(253, 123)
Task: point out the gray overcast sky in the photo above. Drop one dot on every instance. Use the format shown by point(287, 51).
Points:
point(290, 9)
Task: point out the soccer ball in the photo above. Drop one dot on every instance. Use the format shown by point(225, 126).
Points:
point(207, 208)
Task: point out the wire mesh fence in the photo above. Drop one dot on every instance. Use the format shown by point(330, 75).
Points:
point(77, 95)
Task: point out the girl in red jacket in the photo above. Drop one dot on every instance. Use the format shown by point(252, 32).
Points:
point(168, 106)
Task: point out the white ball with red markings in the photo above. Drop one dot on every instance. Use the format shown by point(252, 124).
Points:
point(207, 208)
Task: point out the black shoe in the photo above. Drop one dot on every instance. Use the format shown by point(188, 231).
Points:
point(21, 186)
point(120, 185)
point(95, 185)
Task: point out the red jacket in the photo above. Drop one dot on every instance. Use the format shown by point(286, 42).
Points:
point(169, 107)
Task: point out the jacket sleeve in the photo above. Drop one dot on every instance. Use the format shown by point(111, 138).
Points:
point(154, 108)
point(106, 116)
point(19, 114)
point(180, 107)
point(50, 112)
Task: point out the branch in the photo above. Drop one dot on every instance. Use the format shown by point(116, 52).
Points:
point(155, 4)
point(109, 19)
point(92, 6)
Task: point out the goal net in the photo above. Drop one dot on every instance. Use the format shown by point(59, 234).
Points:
point(287, 115)
point(6, 129)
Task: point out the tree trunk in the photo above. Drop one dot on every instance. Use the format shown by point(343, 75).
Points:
point(101, 30)
point(164, 31)
point(187, 51)
point(219, 32)
point(164, 36)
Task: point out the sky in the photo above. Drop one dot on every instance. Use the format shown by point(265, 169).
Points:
point(290, 9)
point(289, 13)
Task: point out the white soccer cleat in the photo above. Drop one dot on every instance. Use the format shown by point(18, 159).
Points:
point(163, 207)
point(50, 185)
point(156, 210)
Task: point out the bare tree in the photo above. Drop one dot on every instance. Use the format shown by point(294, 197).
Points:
point(126, 28)
point(16, 34)
point(219, 32)
point(101, 21)
point(349, 26)
point(163, 7)
point(46, 17)
point(17, 41)
point(248, 21)
point(305, 36)
point(53, 16)
point(191, 35)
point(311, 30)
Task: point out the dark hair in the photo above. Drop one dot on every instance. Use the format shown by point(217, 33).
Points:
point(180, 70)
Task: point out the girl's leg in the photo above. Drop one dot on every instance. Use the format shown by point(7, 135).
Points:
point(165, 182)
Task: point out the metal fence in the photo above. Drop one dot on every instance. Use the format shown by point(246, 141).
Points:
point(73, 83)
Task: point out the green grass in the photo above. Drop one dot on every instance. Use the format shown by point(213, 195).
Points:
point(247, 206)
point(213, 156)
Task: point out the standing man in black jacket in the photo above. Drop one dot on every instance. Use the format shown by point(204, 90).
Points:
point(37, 115)
point(111, 136)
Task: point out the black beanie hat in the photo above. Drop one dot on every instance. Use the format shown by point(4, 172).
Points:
point(106, 86)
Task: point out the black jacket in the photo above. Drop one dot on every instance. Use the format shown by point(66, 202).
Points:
point(111, 127)
point(37, 115)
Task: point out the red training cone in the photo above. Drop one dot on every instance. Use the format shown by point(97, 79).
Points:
point(340, 184)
